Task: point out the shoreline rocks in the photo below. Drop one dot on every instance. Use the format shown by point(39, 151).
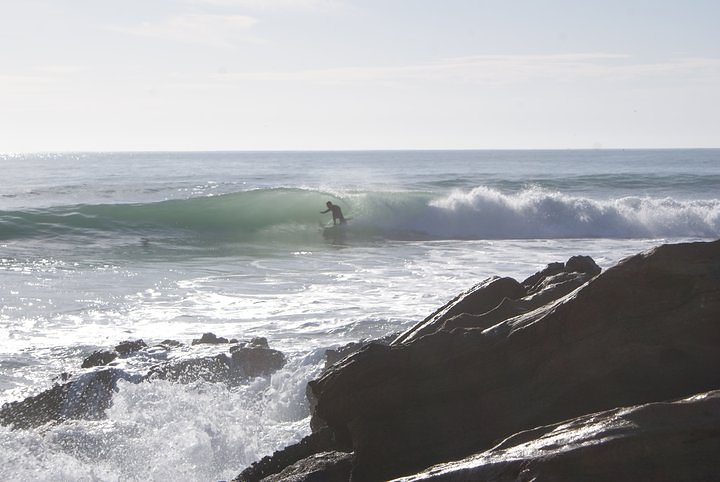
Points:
point(249, 360)
point(507, 357)
point(86, 396)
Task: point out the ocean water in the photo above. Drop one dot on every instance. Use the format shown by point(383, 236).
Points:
point(97, 248)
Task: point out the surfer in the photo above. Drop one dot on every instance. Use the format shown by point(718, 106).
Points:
point(336, 213)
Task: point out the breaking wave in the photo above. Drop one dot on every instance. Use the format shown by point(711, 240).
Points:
point(293, 216)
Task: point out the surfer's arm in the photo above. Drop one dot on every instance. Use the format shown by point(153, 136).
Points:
point(326, 211)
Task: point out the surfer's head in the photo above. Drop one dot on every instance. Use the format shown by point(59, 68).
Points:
point(328, 204)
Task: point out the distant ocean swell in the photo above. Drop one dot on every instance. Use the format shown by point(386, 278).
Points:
point(293, 216)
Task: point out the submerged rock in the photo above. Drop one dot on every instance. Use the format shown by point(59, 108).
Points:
point(257, 361)
point(506, 357)
point(105, 357)
point(170, 343)
point(99, 358)
point(211, 339)
point(128, 347)
point(88, 395)
point(244, 362)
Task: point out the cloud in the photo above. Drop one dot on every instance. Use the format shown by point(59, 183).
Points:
point(39, 79)
point(22, 84)
point(272, 5)
point(200, 29)
point(502, 69)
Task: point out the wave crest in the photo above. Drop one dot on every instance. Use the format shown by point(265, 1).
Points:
point(538, 213)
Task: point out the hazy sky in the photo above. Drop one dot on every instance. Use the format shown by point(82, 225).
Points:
point(358, 74)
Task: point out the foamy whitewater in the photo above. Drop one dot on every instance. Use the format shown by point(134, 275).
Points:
point(100, 248)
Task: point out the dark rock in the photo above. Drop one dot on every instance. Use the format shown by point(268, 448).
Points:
point(657, 441)
point(318, 442)
point(550, 270)
point(497, 299)
point(334, 355)
point(479, 299)
point(99, 358)
point(576, 265)
point(210, 338)
point(171, 343)
point(257, 361)
point(87, 397)
point(63, 377)
point(319, 467)
point(243, 363)
point(129, 346)
point(553, 288)
point(215, 369)
point(582, 264)
point(645, 330)
point(259, 342)
point(506, 309)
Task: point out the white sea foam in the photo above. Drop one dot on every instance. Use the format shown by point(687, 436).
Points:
point(168, 431)
point(538, 213)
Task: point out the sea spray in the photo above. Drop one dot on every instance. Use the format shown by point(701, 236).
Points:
point(484, 213)
point(160, 430)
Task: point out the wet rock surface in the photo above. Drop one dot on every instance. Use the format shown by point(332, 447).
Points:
point(310, 453)
point(658, 441)
point(319, 467)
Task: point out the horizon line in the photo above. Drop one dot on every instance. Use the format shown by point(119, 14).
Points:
point(459, 149)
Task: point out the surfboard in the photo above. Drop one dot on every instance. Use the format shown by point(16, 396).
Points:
point(334, 233)
point(334, 228)
point(330, 225)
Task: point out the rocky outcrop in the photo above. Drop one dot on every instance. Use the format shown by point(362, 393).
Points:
point(99, 358)
point(506, 357)
point(210, 339)
point(313, 458)
point(656, 441)
point(87, 395)
point(105, 357)
point(334, 355)
point(246, 360)
point(222, 368)
point(497, 299)
point(320, 467)
point(129, 347)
